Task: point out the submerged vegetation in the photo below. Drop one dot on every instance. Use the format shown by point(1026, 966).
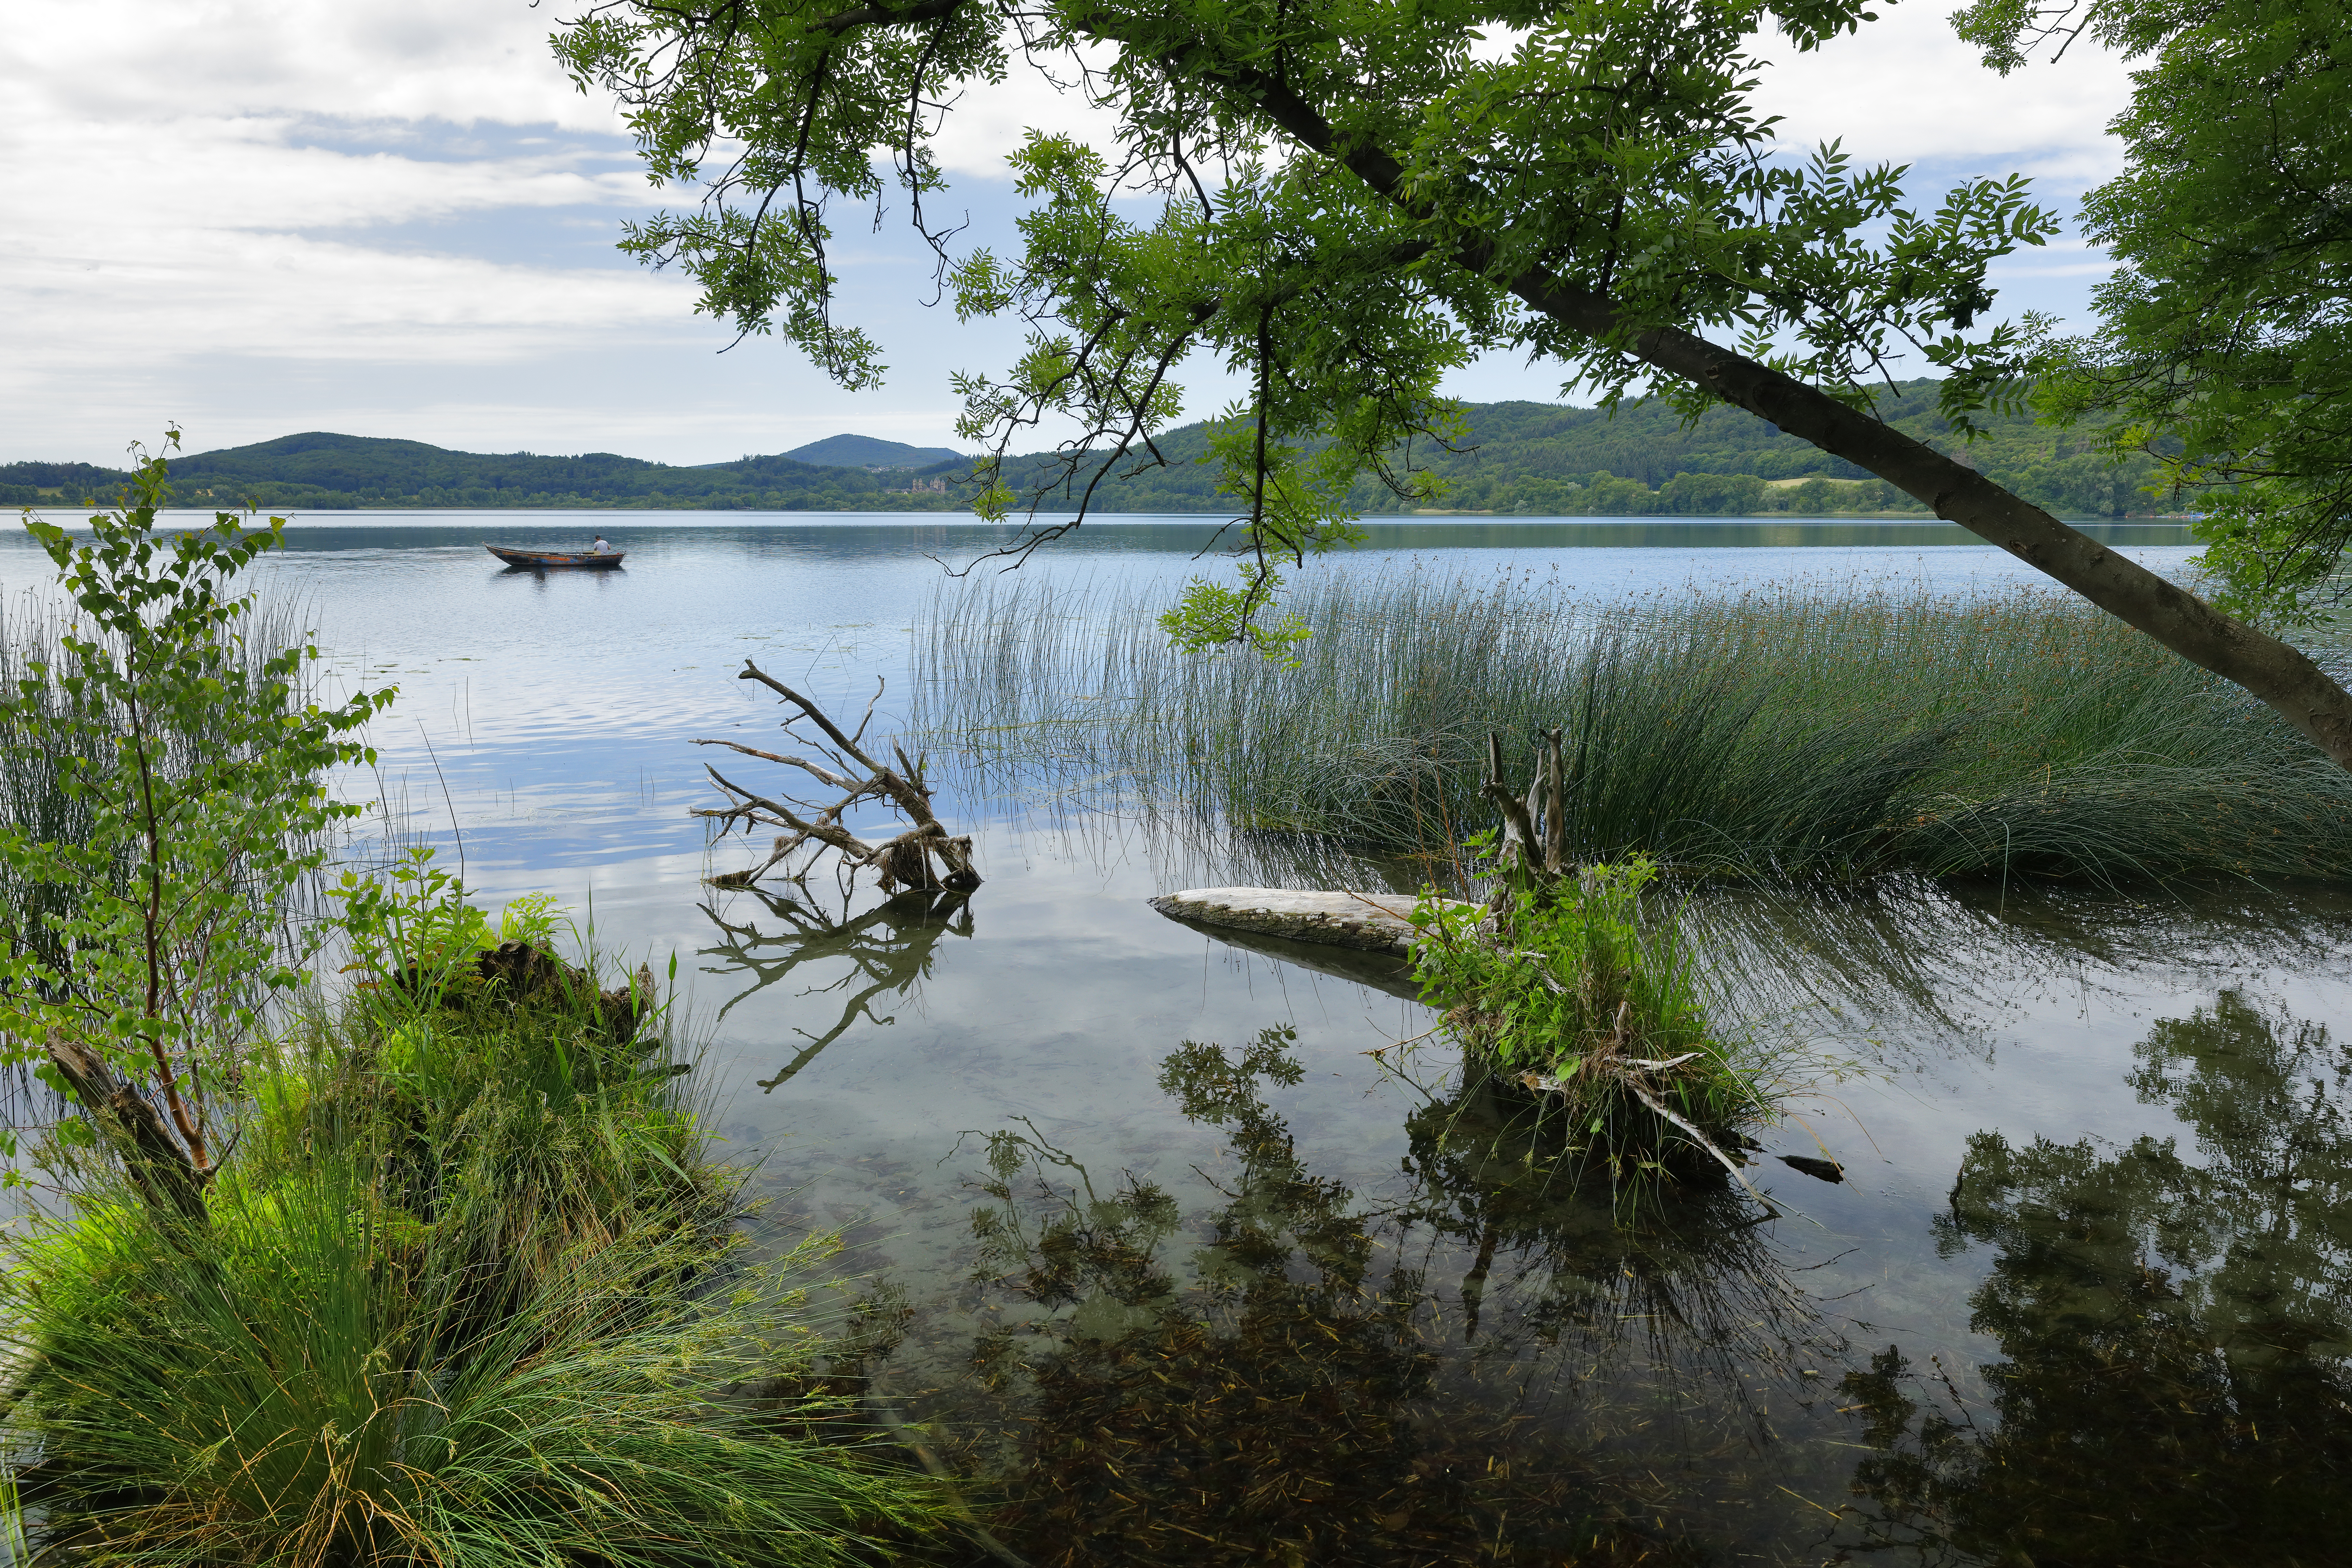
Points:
point(1285, 1393)
point(1779, 732)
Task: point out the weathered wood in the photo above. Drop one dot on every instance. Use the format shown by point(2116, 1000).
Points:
point(903, 860)
point(157, 1162)
point(1372, 923)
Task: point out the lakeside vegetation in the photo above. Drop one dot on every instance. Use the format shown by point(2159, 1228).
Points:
point(438, 1267)
point(1528, 458)
point(1778, 733)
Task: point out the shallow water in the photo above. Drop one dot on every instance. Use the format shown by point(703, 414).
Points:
point(2079, 1299)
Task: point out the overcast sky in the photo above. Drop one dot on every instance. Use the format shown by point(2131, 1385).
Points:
point(397, 219)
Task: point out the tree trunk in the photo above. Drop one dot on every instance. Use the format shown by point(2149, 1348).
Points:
point(2280, 675)
point(158, 1163)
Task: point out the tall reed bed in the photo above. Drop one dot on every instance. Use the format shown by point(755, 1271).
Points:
point(1783, 731)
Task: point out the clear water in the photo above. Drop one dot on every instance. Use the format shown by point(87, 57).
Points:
point(2080, 1299)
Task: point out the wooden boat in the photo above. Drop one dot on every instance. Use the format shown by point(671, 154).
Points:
point(540, 560)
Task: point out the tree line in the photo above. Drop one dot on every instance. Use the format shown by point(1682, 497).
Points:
point(1517, 458)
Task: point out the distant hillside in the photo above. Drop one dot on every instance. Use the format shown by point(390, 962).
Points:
point(867, 452)
point(323, 471)
point(1530, 458)
point(1546, 459)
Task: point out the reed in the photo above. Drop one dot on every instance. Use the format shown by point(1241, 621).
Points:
point(33, 772)
point(1782, 732)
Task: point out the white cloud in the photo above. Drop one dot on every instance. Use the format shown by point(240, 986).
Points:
point(395, 216)
point(113, 61)
point(1905, 88)
point(295, 298)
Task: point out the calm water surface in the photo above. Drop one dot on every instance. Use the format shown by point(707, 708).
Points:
point(2079, 1300)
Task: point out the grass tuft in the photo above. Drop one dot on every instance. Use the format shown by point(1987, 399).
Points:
point(470, 1295)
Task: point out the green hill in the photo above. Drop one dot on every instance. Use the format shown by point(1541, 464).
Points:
point(867, 452)
point(1530, 459)
point(323, 471)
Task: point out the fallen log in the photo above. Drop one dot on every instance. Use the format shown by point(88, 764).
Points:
point(1372, 922)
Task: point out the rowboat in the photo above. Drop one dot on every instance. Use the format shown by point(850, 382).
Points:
point(540, 560)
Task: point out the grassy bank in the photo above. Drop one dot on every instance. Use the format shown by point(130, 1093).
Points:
point(436, 1271)
point(468, 1292)
point(1781, 731)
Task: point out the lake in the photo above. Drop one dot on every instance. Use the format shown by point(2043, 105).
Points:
point(2078, 1299)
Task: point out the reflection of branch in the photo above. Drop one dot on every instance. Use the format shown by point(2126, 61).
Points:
point(889, 947)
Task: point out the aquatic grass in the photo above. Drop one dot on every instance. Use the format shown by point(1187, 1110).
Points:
point(289, 1387)
point(1783, 732)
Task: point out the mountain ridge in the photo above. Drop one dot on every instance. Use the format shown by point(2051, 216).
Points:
point(1523, 458)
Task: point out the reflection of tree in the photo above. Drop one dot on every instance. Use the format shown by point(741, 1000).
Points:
point(1295, 1398)
point(2178, 1386)
point(1693, 1275)
point(887, 949)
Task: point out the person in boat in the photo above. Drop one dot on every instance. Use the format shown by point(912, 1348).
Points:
point(600, 547)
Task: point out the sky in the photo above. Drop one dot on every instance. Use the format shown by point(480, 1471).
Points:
point(398, 219)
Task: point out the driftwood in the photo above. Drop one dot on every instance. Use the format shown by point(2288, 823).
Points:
point(1372, 923)
point(905, 860)
point(157, 1162)
point(1534, 848)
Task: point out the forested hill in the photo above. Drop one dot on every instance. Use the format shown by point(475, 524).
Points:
point(1522, 458)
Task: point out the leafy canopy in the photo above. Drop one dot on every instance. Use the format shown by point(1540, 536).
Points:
point(2224, 348)
point(1337, 200)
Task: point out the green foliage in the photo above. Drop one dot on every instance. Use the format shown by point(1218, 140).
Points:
point(1569, 988)
point(1209, 615)
point(2224, 348)
point(1571, 973)
point(1780, 734)
point(1338, 205)
point(195, 772)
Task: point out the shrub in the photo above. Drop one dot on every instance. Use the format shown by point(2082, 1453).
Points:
point(1567, 992)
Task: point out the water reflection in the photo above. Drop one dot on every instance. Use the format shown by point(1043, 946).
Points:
point(1689, 1271)
point(1322, 1380)
point(885, 952)
point(2176, 1386)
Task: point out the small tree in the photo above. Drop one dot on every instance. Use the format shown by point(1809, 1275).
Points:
point(198, 764)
